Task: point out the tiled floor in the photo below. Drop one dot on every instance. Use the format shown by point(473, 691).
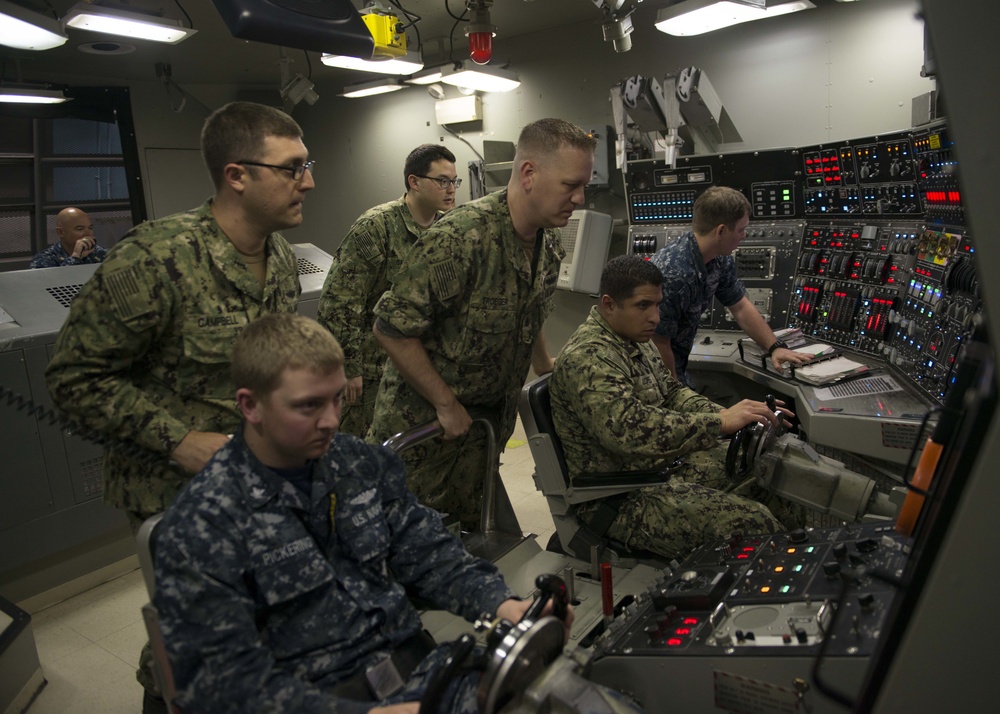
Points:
point(89, 645)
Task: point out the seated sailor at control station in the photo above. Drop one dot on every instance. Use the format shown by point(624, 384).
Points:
point(698, 267)
point(616, 407)
point(283, 568)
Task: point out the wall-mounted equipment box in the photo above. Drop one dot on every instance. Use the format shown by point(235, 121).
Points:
point(585, 239)
point(461, 109)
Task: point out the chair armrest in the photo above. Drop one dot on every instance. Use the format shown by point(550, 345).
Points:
point(620, 479)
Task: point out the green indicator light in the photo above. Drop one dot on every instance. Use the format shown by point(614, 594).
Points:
point(786, 588)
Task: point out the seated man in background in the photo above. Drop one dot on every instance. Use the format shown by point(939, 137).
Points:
point(370, 254)
point(699, 267)
point(616, 407)
point(283, 568)
point(76, 246)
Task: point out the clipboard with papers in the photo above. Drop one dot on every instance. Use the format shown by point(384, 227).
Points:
point(828, 365)
point(823, 371)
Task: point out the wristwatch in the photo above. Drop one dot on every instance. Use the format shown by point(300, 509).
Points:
point(778, 344)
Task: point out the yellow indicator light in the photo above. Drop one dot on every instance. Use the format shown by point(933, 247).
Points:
point(766, 589)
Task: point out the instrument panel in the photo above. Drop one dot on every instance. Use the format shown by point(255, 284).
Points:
point(860, 244)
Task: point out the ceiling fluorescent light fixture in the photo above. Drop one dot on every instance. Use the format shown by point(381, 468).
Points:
point(15, 95)
point(113, 21)
point(407, 64)
point(368, 89)
point(26, 30)
point(480, 78)
point(428, 76)
point(695, 17)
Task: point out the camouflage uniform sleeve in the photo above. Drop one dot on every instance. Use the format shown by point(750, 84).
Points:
point(120, 312)
point(632, 419)
point(680, 398)
point(433, 561)
point(433, 278)
point(352, 277)
point(217, 654)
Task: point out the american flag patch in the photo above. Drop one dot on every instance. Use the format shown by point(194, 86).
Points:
point(123, 286)
point(444, 279)
point(367, 246)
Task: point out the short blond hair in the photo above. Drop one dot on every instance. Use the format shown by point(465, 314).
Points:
point(546, 136)
point(280, 341)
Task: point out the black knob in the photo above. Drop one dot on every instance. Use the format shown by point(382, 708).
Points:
point(797, 536)
point(549, 586)
point(771, 402)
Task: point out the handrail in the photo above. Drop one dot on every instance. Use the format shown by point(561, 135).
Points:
point(420, 433)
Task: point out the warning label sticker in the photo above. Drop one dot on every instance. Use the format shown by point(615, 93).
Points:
point(742, 695)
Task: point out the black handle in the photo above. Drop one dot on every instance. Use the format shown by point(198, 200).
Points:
point(549, 587)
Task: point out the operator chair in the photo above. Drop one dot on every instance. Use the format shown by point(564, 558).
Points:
point(162, 673)
point(574, 537)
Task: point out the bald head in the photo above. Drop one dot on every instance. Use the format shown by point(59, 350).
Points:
point(72, 226)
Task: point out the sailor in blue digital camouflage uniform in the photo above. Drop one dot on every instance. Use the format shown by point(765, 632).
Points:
point(283, 568)
point(143, 357)
point(76, 245)
point(616, 408)
point(371, 253)
point(699, 267)
point(462, 321)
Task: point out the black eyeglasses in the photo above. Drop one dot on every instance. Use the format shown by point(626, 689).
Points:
point(297, 171)
point(441, 181)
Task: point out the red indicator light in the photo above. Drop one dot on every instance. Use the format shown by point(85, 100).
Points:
point(690, 620)
point(748, 549)
point(683, 630)
point(675, 641)
point(742, 556)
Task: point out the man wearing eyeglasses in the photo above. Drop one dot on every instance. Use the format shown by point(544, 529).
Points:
point(144, 355)
point(462, 321)
point(372, 252)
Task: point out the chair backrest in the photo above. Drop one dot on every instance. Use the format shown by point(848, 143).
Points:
point(145, 541)
point(163, 675)
point(536, 395)
point(552, 479)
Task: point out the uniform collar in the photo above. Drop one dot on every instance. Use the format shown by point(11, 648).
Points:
point(261, 485)
point(630, 347)
point(228, 260)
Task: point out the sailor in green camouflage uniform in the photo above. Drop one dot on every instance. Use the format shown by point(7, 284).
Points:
point(372, 252)
point(616, 407)
point(144, 354)
point(462, 321)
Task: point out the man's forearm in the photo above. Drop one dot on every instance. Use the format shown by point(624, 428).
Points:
point(413, 362)
point(541, 361)
point(750, 320)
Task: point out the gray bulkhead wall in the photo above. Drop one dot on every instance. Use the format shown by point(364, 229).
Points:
point(839, 71)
